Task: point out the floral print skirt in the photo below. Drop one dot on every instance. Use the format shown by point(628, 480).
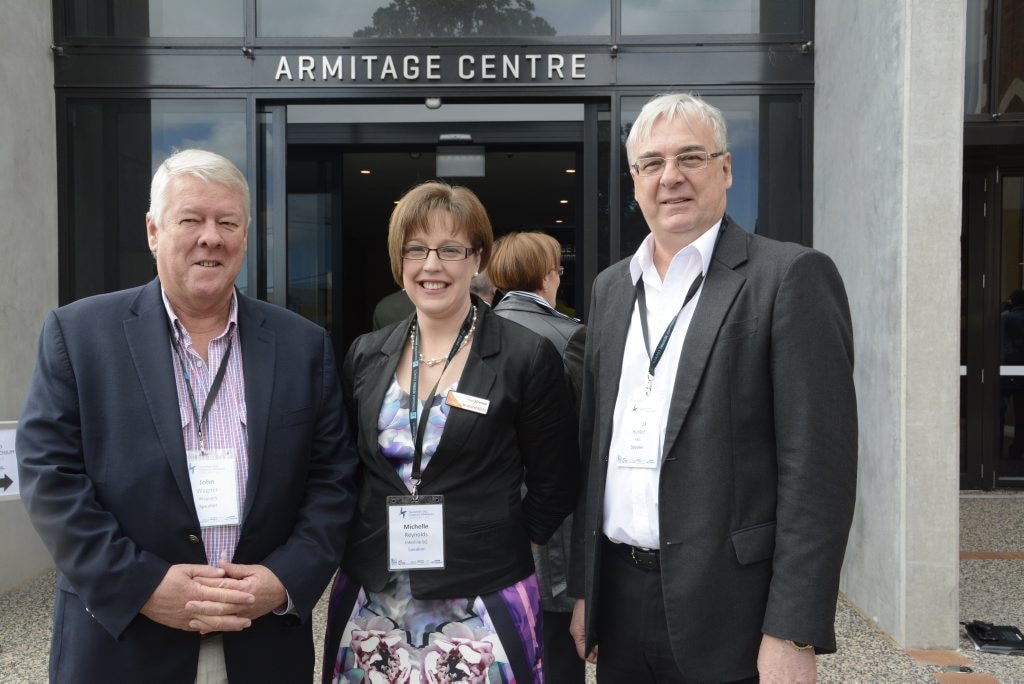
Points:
point(392, 637)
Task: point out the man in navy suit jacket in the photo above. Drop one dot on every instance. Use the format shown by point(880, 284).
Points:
point(718, 423)
point(184, 455)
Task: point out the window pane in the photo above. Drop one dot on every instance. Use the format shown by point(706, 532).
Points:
point(976, 66)
point(156, 18)
point(1010, 95)
point(701, 17)
point(114, 146)
point(433, 19)
point(764, 138)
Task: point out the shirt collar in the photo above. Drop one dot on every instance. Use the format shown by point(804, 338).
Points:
point(530, 295)
point(643, 259)
point(533, 296)
point(176, 325)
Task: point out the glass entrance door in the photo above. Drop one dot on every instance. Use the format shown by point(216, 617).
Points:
point(344, 167)
point(992, 326)
point(1010, 217)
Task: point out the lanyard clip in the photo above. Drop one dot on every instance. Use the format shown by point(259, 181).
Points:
point(650, 383)
point(415, 488)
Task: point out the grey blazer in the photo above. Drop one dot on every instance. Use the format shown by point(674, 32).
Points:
point(568, 336)
point(758, 479)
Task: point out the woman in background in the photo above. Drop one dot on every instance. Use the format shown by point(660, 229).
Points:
point(455, 408)
point(527, 266)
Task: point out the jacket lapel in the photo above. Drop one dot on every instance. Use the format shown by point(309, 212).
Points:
point(258, 367)
point(148, 337)
point(614, 324)
point(720, 288)
point(378, 380)
point(477, 380)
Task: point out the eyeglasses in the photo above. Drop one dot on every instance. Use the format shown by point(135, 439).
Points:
point(694, 160)
point(560, 270)
point(445, 253)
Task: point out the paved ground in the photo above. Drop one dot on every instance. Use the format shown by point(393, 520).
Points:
point(991, 588)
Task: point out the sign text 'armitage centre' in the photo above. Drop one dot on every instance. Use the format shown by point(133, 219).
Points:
point(516, 68)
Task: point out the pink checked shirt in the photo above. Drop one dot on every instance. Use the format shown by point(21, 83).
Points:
point(225, 424)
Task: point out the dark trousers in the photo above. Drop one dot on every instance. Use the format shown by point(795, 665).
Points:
point(561, 664)
point(633, 645)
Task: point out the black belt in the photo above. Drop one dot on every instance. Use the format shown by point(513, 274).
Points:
point(645, 559)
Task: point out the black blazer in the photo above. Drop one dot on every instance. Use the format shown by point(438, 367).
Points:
point(567, 334)
point(104, 478)
point(758, 480)
point(480, 462)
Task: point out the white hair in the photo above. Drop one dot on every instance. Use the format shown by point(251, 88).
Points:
point(691, 108)
point(207, 166)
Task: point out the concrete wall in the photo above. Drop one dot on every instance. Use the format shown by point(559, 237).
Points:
point(28, 235)
point(887, 173)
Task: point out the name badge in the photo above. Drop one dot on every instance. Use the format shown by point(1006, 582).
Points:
point(468, 402)
point(214, 477)
point(638, 443)
point(416, 532)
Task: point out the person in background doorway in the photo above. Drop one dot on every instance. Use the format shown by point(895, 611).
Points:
point(482, 287)
point(527, 266)
point(456, 408)
point(184, 454)
point(718, 424)
point(392, 308)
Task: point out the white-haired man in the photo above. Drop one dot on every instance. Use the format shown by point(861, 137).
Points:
point(718, 425)
point(184, 455)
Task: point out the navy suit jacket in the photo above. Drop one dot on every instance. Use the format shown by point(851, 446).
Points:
point(103, 475)
point(759, 465)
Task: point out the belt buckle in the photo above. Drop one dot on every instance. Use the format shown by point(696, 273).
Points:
point(646, 561)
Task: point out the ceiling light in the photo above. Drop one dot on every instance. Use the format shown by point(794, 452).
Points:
point(365, 172)
point(563, 201)
point(558, 220)
point(570, 170)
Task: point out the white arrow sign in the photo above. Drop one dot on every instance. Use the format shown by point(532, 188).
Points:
point(8, 463)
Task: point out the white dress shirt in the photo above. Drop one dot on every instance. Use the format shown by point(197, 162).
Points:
point(631, 493)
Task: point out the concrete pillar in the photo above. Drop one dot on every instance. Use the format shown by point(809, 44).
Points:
point(28, 236)
point(888, 149)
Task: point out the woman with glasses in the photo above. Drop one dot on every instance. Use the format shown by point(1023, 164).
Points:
point(455, 409)
point(528, 268)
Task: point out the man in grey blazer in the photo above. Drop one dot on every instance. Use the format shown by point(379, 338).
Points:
point(184, 455)
point(718, 425)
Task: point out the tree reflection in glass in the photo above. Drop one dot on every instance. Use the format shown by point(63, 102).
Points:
point(442, 18)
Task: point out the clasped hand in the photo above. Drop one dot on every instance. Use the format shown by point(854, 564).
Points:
point(202, 598)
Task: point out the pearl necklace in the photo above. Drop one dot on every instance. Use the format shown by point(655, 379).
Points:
point(430, 363)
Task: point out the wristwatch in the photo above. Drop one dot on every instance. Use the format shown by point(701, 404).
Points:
point(799, 646)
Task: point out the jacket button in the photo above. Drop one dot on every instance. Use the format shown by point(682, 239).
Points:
point(194, 539)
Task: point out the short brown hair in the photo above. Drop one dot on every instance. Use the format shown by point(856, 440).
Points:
point(412, 213)
point(521, 260)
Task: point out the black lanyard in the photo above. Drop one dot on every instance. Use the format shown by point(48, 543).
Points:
point(210, 397)
point(641, 299)
point(419, 428)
